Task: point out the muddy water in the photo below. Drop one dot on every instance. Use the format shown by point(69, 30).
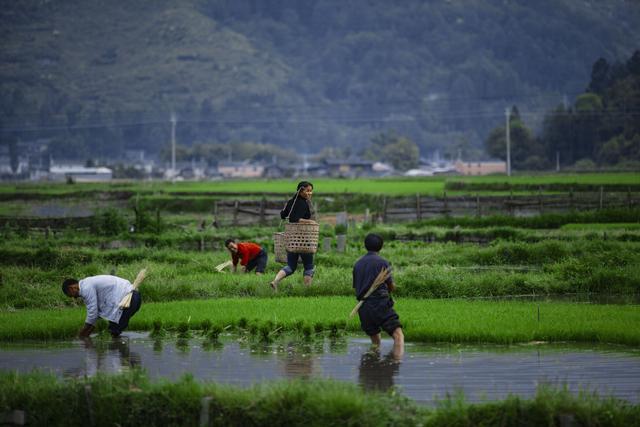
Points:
point(425, 372)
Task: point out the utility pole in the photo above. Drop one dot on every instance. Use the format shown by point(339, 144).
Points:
point(508, 136)
point(173, 144)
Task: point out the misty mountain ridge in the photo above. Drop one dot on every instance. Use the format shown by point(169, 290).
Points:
point(105, 76)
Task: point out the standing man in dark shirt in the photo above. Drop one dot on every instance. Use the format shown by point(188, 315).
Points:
point(377, 311)
point(298, 209)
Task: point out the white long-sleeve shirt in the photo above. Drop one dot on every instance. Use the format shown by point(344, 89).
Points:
point(102, 296)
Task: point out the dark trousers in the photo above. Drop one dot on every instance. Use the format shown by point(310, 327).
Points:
point(117, 328)
point(259, 262)
point(292, 263)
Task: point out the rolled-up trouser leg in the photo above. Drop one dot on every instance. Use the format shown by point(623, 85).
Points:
point(292, 263)
point(307, 261)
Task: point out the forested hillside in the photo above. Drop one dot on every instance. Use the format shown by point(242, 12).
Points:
point(98, 77)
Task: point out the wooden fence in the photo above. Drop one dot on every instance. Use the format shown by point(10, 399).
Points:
point(420, 207)
point(247, 212)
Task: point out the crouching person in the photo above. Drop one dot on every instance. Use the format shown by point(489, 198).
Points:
point(251, 255)
point(102, 296)
point(377, 310)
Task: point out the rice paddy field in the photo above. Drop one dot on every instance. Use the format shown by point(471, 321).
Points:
point(570, 277)
point(387, 186)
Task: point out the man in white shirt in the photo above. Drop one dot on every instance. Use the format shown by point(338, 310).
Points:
point(102, 296)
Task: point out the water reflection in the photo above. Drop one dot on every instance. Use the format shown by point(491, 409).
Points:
point(111, 357)
point(376, 372)
point(425, 372)
point(298, 360)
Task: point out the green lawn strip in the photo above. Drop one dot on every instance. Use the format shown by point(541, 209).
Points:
point(424, 320)
point(132, 399)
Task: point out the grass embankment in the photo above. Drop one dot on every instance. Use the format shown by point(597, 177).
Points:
point(32, 271)
point(424, 320)
point(134, 400)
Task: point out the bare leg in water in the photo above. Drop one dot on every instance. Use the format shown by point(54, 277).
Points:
point(398, 342)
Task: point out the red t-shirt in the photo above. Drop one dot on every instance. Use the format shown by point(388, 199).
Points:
point(246, 252)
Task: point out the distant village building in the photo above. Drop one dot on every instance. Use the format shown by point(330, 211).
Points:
point(240, 170)
point(349, 168)
point(80, 173)
point(382, 168)
point(480, 168)
point(273, 171)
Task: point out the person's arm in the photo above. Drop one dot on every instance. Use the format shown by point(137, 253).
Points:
point(306, 221)
point(286, 210)
point(234, 261)
point(91, 301)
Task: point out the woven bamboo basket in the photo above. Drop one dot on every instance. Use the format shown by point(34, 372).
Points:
point(280, 247)
point(301, 238)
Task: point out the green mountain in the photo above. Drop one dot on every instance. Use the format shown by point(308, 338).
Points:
point(101, 76)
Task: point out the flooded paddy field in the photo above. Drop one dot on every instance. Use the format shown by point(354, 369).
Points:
point(425, 373)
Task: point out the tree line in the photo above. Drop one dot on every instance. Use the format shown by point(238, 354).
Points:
point(600, 129)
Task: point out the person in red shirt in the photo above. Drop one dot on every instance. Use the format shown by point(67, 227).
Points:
point(251, 255)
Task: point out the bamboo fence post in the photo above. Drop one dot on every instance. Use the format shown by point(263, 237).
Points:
point(571, 198)
point(510, 203)
point(326, 244)
point(384, 209)
point(540, 205)
point(204, 411)
point(446, 203)
point(235, 212)
point(263, 218)
point(15, 417)
point(89, 401)
point(601, 197)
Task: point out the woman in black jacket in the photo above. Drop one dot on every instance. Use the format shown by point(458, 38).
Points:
point(298, 209)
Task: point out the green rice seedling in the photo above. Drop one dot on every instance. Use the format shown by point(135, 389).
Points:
point(242, 323)
point(253, 328)
point(183, 330)
point(264, 333)
point(334, 329)
point(448, 320)
point(214, 332)
point(318, 327)
point(157, 331)
point(306, 331)
point(206, 325)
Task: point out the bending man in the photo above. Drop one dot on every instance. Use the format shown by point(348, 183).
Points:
point(251, 255)
point(102, 296)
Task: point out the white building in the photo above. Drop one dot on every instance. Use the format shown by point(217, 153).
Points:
point(80, 173)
